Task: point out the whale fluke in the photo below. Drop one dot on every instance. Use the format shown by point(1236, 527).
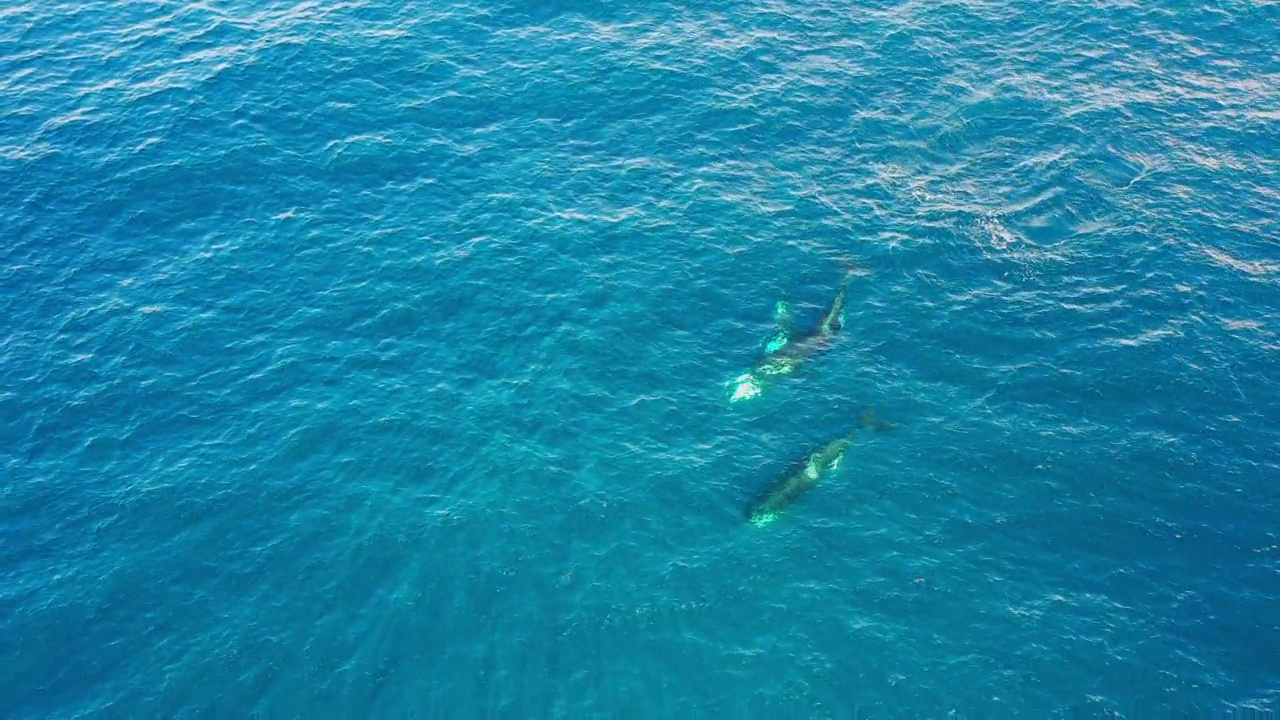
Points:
point(872, 421)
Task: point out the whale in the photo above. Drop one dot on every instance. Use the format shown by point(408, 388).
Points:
point(821, 463)
point(785, 352)
point(792, 486)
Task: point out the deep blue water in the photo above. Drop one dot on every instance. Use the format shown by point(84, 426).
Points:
point(370, 359)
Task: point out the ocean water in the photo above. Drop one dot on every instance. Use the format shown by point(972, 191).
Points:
point(368, 359)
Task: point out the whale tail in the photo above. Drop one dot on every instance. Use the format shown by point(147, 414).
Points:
point(871, 421)
point(852, 268)
point(835, 319)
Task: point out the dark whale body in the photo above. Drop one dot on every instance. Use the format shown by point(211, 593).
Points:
point(794, 485)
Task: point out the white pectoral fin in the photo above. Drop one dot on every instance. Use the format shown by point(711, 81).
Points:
point(782, 316)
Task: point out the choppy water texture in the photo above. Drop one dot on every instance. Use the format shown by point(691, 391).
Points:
point(370, 358)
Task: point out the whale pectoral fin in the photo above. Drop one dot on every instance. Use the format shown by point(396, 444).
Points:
point(777, 342)
point(782, 316)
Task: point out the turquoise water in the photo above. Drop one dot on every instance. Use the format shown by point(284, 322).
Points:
point(367, 359)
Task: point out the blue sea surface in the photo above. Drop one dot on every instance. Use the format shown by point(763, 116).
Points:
point(371, 359)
